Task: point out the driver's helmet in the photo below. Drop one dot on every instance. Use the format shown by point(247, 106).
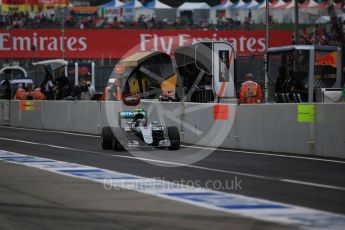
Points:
point(141, 122)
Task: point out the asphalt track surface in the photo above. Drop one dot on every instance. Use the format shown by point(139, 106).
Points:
point(308, 182)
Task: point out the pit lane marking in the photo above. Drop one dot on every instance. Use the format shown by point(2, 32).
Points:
point(193, 146)
point(260, 209)
point(285, 180)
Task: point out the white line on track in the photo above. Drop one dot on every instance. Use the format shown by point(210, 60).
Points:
point(51, 131)
point(285, 180)
point(312, 158)
point(266, 154)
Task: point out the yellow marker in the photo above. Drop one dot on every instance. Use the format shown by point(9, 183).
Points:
point(134, 86)
point(306, 113)
point(169, 84)
point(28, 106)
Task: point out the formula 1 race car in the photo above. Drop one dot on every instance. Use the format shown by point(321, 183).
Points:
point(137, 132)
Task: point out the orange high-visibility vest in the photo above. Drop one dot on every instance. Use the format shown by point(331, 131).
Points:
point(38, 95)
point(20, 94)
point(250, 93)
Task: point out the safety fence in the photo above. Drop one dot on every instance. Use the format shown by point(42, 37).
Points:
point(311, 129)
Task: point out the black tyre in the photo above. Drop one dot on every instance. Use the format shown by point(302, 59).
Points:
point(107, 137)
point(119, 139)
point(174, 137)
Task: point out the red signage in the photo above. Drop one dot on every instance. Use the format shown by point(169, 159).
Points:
point(119, 43)
point(220, 112)
point(328, 59)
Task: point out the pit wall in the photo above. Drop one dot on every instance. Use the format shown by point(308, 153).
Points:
point(264, 127)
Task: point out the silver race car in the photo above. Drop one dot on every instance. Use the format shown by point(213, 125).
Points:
point(137, 132)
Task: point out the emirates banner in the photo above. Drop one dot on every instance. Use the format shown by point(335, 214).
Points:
point(120, 43)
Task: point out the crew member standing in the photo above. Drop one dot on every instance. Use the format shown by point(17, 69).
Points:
point(250, 91)
point(20, 93)
point(109, 92)
point(37, 94)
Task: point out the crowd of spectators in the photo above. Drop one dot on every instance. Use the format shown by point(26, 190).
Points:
point(321, 34)
point(77, 20)
point(26, 20)
point(91, 21)
point(48, 20)
point(332, 33)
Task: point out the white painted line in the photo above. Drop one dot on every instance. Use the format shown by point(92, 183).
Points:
point(291, 181)
point(260, 209)
point(265, 154)
point(51, 131)
point(313, 184)
point(312, 158)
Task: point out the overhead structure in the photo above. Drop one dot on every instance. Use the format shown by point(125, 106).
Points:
point(223, 6)
point(252, 9)
point(289, 12)
point(130, 8)
point(112, 4)
point(290, 4)
point(238, 4)
point(156, 4)
point(309, 4)
point(133, 4)
point(278, 12)
point(279, 4)
point(339, 7)
point(156, 8)
point(194, 11)
point(262, 5)
point(323, 20)
point(261, 12)
point(194, 6)
point(111, 9)
point(309, 11)
point(12, 72)
point(238, 12)
point(253, 4)
point(221, 11)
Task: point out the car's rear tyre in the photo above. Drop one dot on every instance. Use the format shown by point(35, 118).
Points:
point(174, 137)
point(107, 137)
point(118, 139)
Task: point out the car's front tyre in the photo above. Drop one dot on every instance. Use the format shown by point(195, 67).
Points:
point(118, 139)
point(174, 137)
point(107, 137)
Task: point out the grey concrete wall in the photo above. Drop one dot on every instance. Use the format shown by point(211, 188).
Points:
point(201, 128)
point(4, 112)
point(330, 130)
point(264, 127)
point(26, 119)
point(74, 116)
point(272, 127)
